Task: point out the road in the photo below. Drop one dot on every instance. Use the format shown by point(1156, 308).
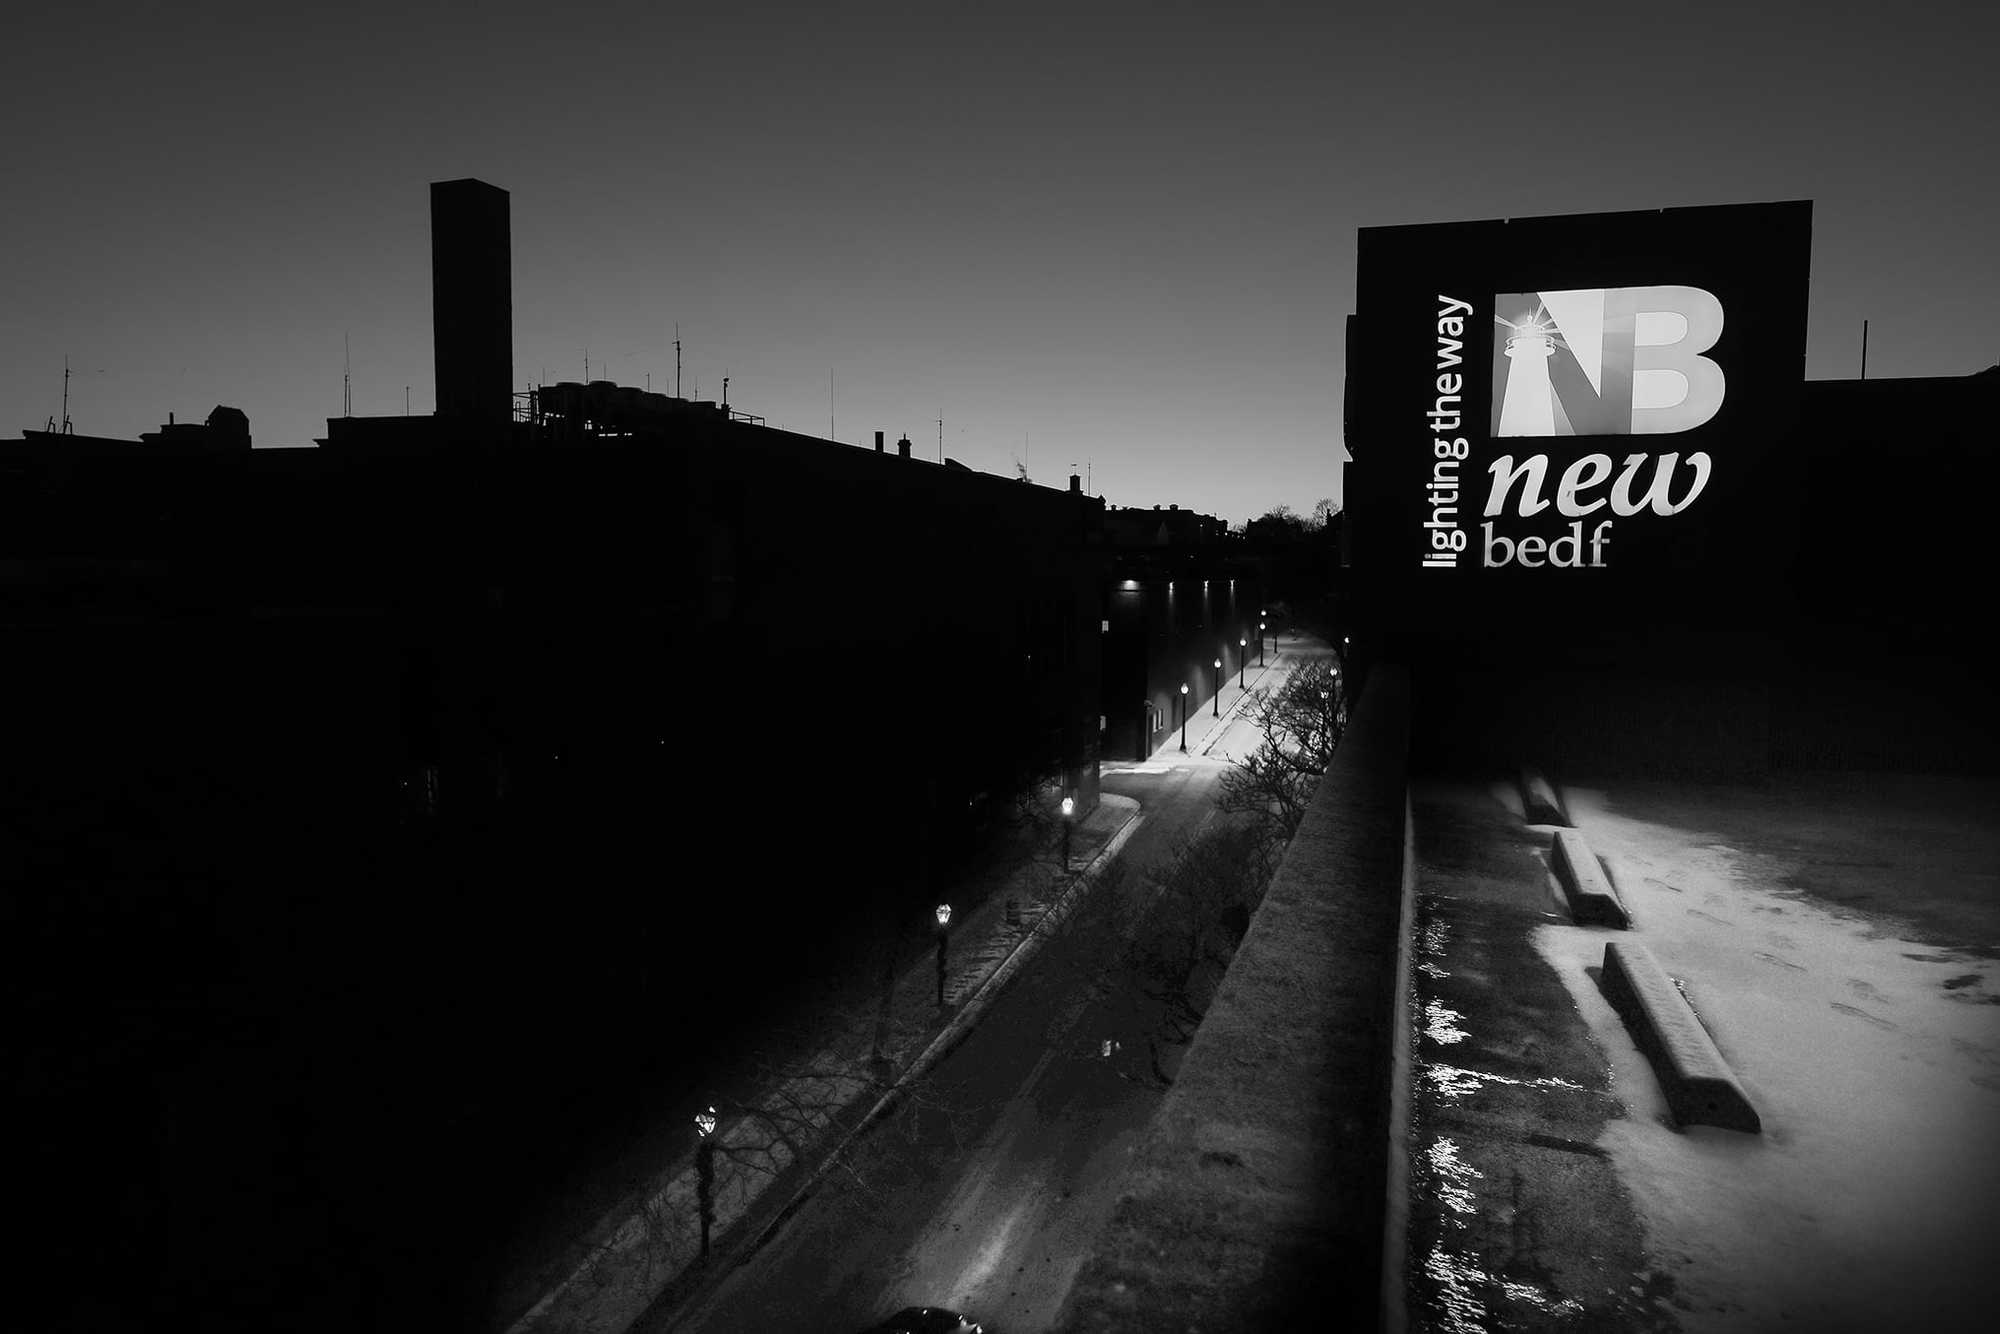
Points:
point(983, 1196)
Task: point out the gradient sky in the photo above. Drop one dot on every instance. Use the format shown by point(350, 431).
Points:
point(1114, 235)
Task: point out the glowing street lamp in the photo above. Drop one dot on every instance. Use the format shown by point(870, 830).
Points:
point(1215, 705)
point(1260, 643)
point(944, 937)
point(1068, 813)
point(1184, 690)
point(1242, 658)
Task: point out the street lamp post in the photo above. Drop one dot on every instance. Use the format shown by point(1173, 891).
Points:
point(1184, 689)
point(1216, 707)
point(1242, 659)
point(1260, 643)
point(1068, 811)
point(704, 1167)
point(944, 937)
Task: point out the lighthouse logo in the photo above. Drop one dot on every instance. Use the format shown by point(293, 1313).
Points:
point(1605, 361)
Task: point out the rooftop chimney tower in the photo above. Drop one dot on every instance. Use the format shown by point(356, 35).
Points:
point(472, 301)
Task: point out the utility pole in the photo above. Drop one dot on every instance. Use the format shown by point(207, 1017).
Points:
point(346, 379)
point(940, 440)
point(1864, 349)
point(677, 361)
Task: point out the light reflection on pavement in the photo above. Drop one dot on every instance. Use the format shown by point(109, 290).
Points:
point(1514, 1220)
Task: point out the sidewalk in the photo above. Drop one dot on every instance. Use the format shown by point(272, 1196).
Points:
point(1204, 728)
point(774, 1142)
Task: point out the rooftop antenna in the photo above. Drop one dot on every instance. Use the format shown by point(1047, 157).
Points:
point(67, 429)
point(586, 364)
point(677, 360)
point(406, 400)
point(346, 379)
point(1086, 479)
point(1864, 349)
point(829, 403)
point(940, 439)
point(725, 393)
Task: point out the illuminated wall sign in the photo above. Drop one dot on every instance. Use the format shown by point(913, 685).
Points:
point(1597, 400)
point(1605, 361)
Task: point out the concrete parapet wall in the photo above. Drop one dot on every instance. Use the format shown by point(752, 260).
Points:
point(1257, 1194)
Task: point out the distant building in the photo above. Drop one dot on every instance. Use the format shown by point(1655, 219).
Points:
point(1156, 527)
point(227, 431)
point(592, 599)
point(1179, 595)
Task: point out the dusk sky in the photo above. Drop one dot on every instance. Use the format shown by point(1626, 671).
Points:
point(1119, 236)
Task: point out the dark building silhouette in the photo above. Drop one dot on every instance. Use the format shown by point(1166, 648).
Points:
point(472, 301)
point(1179, 594)
point(1156, 527)
point(226, 431)
point(523, 772)
point(476, 780)
point(1884, 654)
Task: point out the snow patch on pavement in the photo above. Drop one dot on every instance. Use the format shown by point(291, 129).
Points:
point(1872, 1199)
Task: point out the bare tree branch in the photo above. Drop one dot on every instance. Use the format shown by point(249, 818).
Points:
point(1302, 723)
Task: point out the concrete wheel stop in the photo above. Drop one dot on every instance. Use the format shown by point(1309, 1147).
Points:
point(1592, 901)
point(1700, 1087)
point(1539, 799)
